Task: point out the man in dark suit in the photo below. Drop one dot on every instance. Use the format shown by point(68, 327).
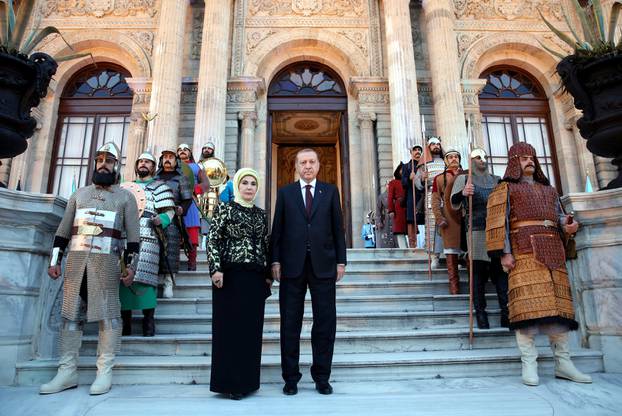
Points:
point(308, 249)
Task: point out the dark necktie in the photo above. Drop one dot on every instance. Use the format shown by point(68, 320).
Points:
point(308, 200)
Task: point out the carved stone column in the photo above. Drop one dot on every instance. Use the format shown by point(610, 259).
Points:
point(369, 160)
point(138, 125)
point(444, 64)
point(471, 89)
point(247, 136)
point(5, 171)
point(405, 124)
point(212, 88)
point(166, 88)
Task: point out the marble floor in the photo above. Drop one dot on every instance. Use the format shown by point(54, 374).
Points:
point(494, 396)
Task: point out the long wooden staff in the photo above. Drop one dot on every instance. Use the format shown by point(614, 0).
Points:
point(412, 169)
point(470, 236)
point(425, 198)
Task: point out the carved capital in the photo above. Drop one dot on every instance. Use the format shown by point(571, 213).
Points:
point(141, 87)
point(366, 120)
point(242, 93)
point(249, 119)
point(372, 94)
point(471, 88)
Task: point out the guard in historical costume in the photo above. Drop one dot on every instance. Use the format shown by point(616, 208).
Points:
point(97, 219)
point(413, 199)
point(527, 227)
point(156, 207)
point(484, 268)
point(170, 172)
point(449, 221)
point(192, 219)
point(207, 151)
point(432, 165)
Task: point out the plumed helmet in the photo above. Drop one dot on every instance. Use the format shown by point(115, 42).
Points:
point(513, 172)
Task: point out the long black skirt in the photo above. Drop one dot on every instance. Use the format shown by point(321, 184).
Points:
point(237, 330)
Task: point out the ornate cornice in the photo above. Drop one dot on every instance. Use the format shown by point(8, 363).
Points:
point(99, 8)
point(507, 9)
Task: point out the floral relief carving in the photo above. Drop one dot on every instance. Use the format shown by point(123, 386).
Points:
point(145, 39)
point(465, 40)
point(197, 32)
point(507, 9)
point(99, 8)
point(307, 8)
point(359, 38)
point(255, 38)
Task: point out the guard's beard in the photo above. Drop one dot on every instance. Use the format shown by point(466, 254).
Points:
point(143, 173)
point(103, 178)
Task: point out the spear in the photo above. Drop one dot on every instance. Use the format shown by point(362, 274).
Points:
point(470, 236)
point(425, 199)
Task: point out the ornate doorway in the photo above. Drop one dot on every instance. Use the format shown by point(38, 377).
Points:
point(307, 107)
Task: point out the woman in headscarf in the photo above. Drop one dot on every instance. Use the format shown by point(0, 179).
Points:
point(237, 256)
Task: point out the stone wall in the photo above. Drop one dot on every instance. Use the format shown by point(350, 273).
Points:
point(28, 222)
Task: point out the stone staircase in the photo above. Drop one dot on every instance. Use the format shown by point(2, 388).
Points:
point(393, 323)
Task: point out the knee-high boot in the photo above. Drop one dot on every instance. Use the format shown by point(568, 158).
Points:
point(480, 277)
point(564, 368)
point(529, 358)
point(107, 347)
point(452, 271)
point(148, 322)
point(67, 375)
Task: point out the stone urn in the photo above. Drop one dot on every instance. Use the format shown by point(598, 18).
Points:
point(596, 86)
point(23, 82)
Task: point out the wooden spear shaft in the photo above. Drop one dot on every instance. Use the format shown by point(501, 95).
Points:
point(470, 236)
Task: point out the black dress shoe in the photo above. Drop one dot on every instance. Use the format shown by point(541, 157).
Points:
point(324, 387)
point(236, 396)
point(290, 389)
point(482, 320)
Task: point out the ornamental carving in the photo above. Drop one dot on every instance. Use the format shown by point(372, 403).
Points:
point(145, 40)
point(307, 8)
point(99, 8)
point(465, 40)
point(507, 9)
point(359, 38)
point(255, 38)
point(197, 32)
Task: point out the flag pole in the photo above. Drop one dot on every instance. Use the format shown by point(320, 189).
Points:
point(470, 236)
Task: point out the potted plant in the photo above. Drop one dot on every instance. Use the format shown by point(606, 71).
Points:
point(24, 75)
point(593, 76)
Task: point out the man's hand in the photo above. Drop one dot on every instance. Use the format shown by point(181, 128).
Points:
point(155, 220)
point(424, 175)
point(341, 271)
point(179, 210)
point(507, 261)
point(468, 190)
point(217, 279)
point(412, 176)
point(269, 282)
point(572, 227)
point(128, 278)
point(54, 272)
point(276, 272)
point(443, 223)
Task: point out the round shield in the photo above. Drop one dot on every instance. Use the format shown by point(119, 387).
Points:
point(139, 195)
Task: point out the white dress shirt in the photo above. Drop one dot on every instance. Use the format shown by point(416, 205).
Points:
point(303, 189)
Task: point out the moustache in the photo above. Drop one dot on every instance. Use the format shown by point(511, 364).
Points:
point(103, 170)
point(168, 163)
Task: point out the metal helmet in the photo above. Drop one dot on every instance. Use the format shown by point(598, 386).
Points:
point(434, 140)
point(112, 149)
point(147, 155)
point(478, 151)
point(184, 146)
point(209, 145)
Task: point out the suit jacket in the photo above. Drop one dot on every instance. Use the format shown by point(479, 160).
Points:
point(293, 232)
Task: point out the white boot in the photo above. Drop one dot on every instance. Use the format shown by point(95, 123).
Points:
point(107, 347)
point(67, 375)
point(434, 262)
point(529, 357)
point(564, 368)
point(168, 287)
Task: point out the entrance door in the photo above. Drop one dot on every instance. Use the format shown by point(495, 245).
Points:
point(307, 107)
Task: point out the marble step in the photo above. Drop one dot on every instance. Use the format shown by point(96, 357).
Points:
point(353, 342)
point(364, 275)
point(201, 324)
point(345, 303)
point(345, 287)
point(346, 367)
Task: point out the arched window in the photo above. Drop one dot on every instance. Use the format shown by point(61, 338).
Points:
point(515, 109)
point(94, 108)
point(307, 79)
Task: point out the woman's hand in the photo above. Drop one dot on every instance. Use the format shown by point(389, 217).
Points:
point(217, 279)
